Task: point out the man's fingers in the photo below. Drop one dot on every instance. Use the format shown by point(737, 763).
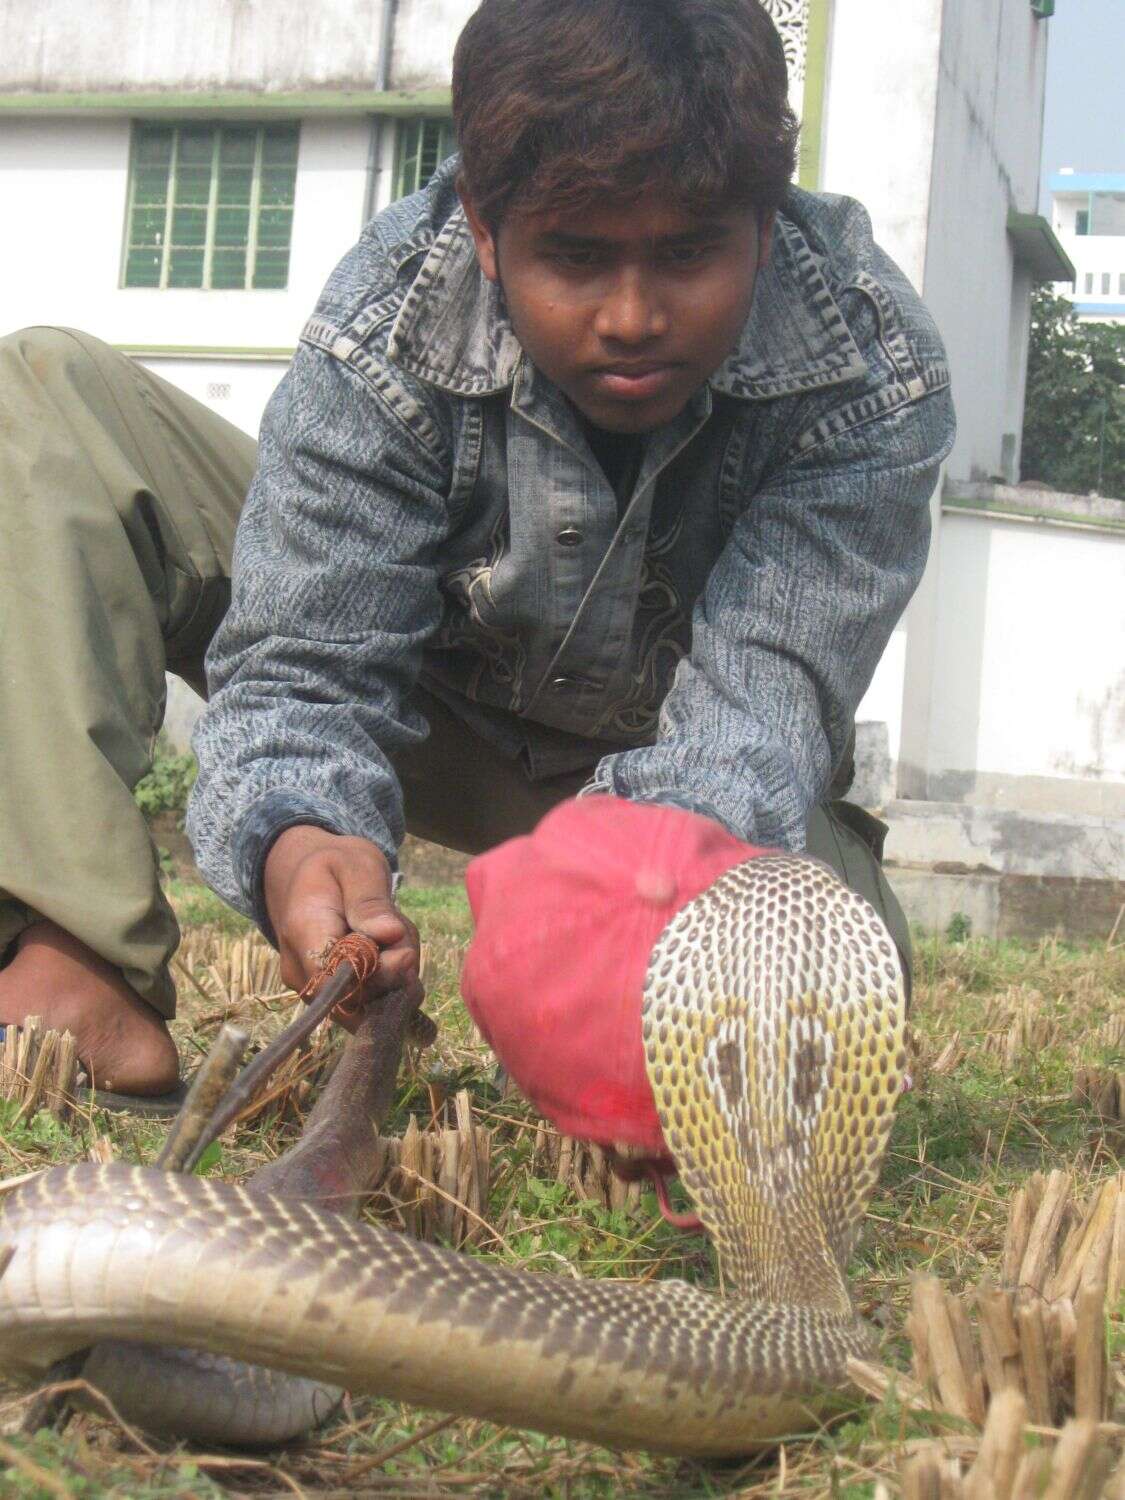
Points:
point(321, 887)
point(375, 916)
point(306, 944)
point(398, 967)
point(374, 913)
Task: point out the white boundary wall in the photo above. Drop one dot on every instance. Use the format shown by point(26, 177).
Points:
point(1029, 680)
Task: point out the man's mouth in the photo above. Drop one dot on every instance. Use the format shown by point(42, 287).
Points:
point(634, 382)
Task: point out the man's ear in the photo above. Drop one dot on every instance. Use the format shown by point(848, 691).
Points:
point(483, 237)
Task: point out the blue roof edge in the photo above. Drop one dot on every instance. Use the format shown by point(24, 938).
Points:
point(1087, 182)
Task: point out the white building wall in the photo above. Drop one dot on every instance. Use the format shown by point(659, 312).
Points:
point(1098, 291)
point(65, 180)
point(1099, 261)
point(426, 32)
point(880, 108)
point(986, 162)
point(1030, 678)
point(882, 703)
point(284, 46)
point(927, 123)
point(63, 183)
point(1015, 373)
point(78, 46)
point(867, 100)
point(934, 121)
point(236, 389)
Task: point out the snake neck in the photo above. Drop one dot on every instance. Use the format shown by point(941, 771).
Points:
point(777, 1256)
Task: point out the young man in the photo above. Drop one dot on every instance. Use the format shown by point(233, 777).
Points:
point(603, 466)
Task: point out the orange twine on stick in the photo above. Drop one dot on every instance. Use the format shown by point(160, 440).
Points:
point(355, 949)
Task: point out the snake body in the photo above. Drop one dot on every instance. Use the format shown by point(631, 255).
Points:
point(773, 1023)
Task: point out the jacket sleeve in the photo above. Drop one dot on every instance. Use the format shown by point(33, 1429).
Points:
point(792, 622)
point(334, 593)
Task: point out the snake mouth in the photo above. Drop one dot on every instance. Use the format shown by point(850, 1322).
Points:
point(634, 1164)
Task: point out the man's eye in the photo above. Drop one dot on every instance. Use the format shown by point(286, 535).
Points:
point(687, 255)
point(575, 260)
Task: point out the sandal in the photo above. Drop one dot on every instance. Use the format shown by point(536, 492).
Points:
point(150, 1106)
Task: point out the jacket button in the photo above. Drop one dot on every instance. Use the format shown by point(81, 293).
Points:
point(569, 537)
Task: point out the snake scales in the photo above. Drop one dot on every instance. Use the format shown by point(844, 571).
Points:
point(773, 1023)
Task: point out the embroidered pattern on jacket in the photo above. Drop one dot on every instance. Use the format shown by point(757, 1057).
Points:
point(470, 627)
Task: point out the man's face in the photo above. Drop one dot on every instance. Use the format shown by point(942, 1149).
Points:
point(627, 309)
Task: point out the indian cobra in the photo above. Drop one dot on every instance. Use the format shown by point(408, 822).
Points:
point(773, 1022)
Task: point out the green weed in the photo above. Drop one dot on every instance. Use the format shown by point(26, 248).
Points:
point(167, 785)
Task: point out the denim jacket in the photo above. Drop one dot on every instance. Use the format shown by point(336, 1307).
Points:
point(427, 509)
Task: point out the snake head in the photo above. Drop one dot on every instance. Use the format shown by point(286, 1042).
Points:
point(773, 1021)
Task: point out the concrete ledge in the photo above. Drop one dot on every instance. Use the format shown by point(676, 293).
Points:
point(1028, 907)
point(1033, 500)
point(234, 103)
point(956, 838)
point(1072, 796)
point(932, 901)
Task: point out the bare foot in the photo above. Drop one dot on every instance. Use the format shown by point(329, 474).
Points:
point(122, 1042)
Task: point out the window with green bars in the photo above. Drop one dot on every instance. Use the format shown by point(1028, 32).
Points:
point(420, 148)
point(211, 206)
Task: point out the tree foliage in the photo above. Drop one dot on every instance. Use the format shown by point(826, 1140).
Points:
point(1074, 417)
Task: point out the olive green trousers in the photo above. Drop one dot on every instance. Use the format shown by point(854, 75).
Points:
point(119, 498)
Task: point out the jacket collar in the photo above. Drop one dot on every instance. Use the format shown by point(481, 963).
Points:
point(795, 339)
point(453, 330)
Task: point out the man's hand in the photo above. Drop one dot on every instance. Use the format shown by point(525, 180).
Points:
point(320, 886)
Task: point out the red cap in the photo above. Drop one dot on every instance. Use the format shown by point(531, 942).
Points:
point(566, 919)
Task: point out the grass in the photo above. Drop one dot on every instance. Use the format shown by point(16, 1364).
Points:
point(963, 1142)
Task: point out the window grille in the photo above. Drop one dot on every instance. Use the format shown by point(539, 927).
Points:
point(420, 148)
point(1082, 221)
point(211, 206)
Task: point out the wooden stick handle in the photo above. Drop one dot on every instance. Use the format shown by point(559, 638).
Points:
point(216, 1074)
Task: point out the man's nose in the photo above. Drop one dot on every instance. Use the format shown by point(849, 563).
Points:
point(632, 311)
